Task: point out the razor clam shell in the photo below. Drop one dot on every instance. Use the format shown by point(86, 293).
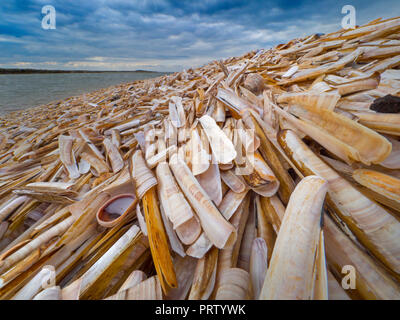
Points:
point(249, 234)
point(37, 242)
point(67, 156)
point(150, 150)
point(335, 290)
point(34, 286)
point(149, 289)
point(200, 247)
point(269, 148)
point(222, 148)
point(383, 184)
point(189, 231)
point(274, 210)
point(141, 220)
point(91, 146)
point(326, 100)
point(393, 160)
point(373, 281)
point(116, 138)
point(328, 68)
point(375, 228)
point(101, 265)
point(134, 279)
point(117, 163)
point(176, 112)
point(231, 202)
point(83, 166)
point(262, 180)
point(142, 175)
point(254, 83)
point(359, 85)
point(258, 264)
point(219, 113)
point(356, 141)
point(290, 72)
point(388, 123)
point(153, 161)
point(162, 258)
point(53, 293)
point(204, 276)
point(175, 244)
point(184, 272)
point(292, 262)
point(235, 285)
point(320, 290)
point(234, 103)
point(122, 211)
point(127, 125)
point(200, 155)
point(265, 229)
point(218, 230)
point(96, 164)
point(11, 205)
point(3, 229)
point(249, 140)
point(210, 181)
point(175, 205)
point(56, 187)
point(228, 257)
point(233, 181)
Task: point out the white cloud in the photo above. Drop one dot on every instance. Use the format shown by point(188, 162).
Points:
point(10, 39)
point(22, 64)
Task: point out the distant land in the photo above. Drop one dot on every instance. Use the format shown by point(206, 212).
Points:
point(26, 71)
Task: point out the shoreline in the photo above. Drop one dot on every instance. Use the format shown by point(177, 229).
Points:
point(16, 115)
point(45, 71)
point(54, 95)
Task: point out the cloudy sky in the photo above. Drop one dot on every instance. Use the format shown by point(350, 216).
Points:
point(162, 35)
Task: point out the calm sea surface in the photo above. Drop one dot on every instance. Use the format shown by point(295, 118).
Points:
point(22, 91)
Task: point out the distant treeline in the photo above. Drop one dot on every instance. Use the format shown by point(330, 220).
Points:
point(26, 71)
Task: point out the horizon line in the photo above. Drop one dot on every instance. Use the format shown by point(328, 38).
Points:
point(38, 70)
